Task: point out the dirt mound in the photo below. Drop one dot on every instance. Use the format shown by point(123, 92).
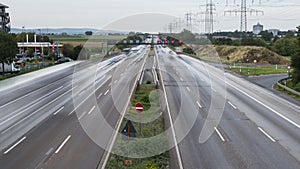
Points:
point(240, 54)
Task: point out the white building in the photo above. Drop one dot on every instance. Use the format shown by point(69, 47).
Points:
point(258, 28)
point(274, 32)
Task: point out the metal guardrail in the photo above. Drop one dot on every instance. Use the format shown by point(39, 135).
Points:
point(287, 88)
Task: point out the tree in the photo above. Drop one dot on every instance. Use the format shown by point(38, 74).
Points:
point(296, 62)
point(76, 52)
point(266, 35)
point(8, 48)
point(285, 46)
point(89, 33)
point(67, 50)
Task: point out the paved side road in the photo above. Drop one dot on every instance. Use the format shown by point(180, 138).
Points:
point(268, 81)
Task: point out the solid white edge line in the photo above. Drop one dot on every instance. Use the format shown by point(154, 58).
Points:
point(266, 134)
point(231, 105)
point(120, 122)
point(198, 103)
point(92, 109)
point(12, 147)
point(58, 110)
point(220, 135)
point(170, 119)
point(62, 144)
point(274, 111)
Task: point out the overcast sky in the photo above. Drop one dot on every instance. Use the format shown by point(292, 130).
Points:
point(280, 14)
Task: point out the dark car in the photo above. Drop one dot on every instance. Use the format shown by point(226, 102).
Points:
point(63, 60)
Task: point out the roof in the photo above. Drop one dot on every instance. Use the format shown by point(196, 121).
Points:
point(2, 5)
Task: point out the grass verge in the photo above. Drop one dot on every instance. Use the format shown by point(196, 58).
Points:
point(152, 127)
point(257, 71)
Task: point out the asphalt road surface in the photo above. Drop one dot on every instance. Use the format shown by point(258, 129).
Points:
point(257, 129)
point(218, 120)
point(42, 122)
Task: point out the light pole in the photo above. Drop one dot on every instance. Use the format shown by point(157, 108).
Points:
point(255, 61)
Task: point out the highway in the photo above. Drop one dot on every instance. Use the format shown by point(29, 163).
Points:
point(43, 121)
point(257, 129)
point(216, 119)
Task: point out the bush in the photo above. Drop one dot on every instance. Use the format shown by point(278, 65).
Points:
point(297, 87)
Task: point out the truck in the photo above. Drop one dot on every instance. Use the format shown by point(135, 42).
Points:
point(9, 68)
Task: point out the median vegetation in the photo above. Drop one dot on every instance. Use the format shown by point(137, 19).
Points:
point(152, 125)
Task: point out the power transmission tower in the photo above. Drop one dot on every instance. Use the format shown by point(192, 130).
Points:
point(188, 18)
point(244, 10)
point(210, 11)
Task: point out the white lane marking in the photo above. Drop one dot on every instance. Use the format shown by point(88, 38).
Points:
point(188, 89)
point(15, 145)
point(15, 124)
point(109, 84)
point(99, 95)
point(58, 111)
point(19, 98)
point(220, 135)
point(266, 134)
point(11, 117)
point(106, 92)
point(122, 74)
point(62, 144)
point(231, 105)
point(198, 103)
point(81, 92)
point(214, 90)
point(181, 79)
point(170, 118)
point(177, 73)
point(115, 81)
point(82, 115)
point(202, 80)
point(92, 109)
point(88, 96)
point(119, 122)
point(280, 115)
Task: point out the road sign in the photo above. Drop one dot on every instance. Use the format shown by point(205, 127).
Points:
point(139, 107)
point(129, 130)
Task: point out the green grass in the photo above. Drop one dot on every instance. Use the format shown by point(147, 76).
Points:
point(258, 71)
point(287, 92)
point(147, 95)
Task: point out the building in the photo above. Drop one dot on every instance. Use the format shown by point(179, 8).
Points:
point(4, 19)
point(38, 46)
point(258, 28)
point(275, 32)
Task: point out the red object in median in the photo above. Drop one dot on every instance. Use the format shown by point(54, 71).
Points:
point(139, 107)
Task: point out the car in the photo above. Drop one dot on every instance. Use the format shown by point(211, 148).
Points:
point(63, 60)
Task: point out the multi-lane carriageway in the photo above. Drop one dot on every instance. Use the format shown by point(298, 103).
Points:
point(40, 123)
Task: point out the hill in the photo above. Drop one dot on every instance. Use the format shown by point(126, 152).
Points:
point(240, 53)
